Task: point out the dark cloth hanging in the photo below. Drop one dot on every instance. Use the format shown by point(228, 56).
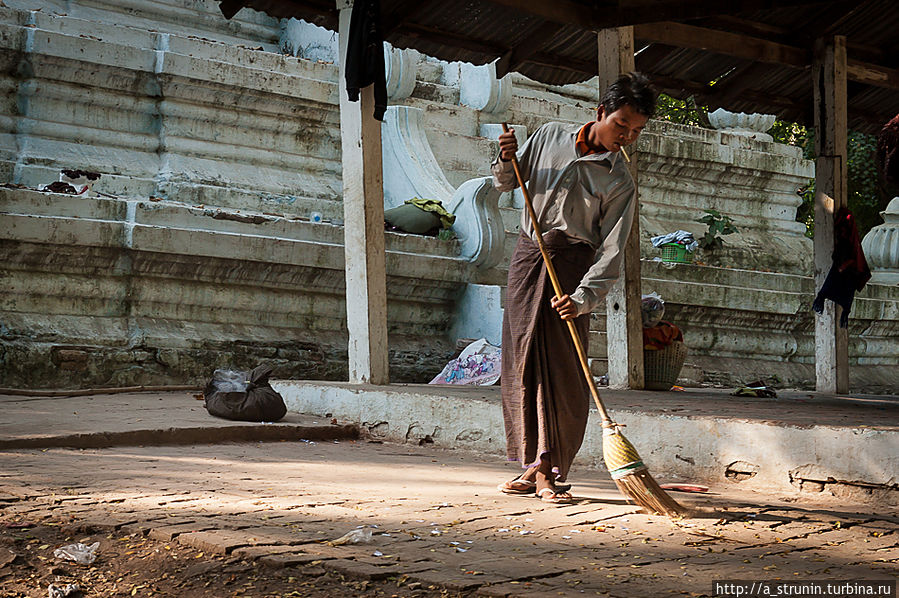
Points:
point(545, 397)
point(365, 55)
point(887, 154)
point(849, 272)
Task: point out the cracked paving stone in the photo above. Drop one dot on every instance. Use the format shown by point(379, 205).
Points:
point(451, 579)
point(167, 533)
point(289, 559)
point(258, 552)
point(215, 541)
point(103, 525)
point(279, 535)
point(357, 570)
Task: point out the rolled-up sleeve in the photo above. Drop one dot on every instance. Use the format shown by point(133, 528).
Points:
point(503, 175)
point(616, 220)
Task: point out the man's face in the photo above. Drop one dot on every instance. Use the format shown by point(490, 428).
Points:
point(619, 128)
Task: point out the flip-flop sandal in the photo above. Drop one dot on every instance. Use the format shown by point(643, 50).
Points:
point(563, 487)
point(518, 486)
point(555, 496)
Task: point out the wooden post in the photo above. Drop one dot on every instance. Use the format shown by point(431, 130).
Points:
point(363, 210)
point(624, 323)
point(829, 81)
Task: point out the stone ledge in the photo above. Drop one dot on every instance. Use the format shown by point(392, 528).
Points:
point(246, 432)
point(699, 440)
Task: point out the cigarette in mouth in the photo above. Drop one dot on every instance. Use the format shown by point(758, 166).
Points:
point(626, 157)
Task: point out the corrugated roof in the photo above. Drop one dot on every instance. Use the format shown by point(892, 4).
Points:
point(554, 42)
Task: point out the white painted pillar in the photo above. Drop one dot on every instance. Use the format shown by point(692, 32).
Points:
point(831, 121)
point(363, 210)
point(624, 323)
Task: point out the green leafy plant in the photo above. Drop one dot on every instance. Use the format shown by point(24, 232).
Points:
point(719, 224)
point(684, 112)
point(446, 234)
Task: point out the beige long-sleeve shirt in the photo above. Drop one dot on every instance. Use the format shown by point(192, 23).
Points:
point(591, 198)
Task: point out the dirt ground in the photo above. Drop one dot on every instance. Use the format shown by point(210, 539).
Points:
point(134, 565)
point(253, 520)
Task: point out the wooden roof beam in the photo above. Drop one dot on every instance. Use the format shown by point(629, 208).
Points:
point(449, 39)
point(757, 49)
point(872, 74)
point(402, 12)
point(746, 26)
point(621, 13)
point(567, 64)
point(515, 57)
point(674, 83)
point(722, 42)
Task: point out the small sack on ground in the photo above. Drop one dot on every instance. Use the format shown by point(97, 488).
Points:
point(244, 396)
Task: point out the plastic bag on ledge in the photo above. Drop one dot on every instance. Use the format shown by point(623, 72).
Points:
point(230, 381)
point(80, 553)
point(479, 364)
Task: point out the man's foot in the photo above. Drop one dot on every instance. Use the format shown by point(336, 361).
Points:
point(562, 487)
point(555, 496)
point(518, 486)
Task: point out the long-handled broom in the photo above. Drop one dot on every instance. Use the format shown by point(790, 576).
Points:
point(624, 464)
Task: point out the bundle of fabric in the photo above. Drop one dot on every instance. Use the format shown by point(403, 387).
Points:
point(419, 216)
point(244, 396)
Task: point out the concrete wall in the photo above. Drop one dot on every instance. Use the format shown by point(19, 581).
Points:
point(107, 291)
point(215, 149)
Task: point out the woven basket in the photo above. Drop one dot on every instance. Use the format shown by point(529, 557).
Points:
point(661, 368)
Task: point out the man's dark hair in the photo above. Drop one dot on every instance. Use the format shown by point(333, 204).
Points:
point(633, 89)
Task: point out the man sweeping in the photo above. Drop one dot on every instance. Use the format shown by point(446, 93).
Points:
point(584, 198)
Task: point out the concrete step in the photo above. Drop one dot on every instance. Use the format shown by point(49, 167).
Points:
point(134, 419)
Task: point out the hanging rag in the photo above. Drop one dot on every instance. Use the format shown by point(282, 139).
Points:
point(887, 155)
point(849, 272)
point(365, 55)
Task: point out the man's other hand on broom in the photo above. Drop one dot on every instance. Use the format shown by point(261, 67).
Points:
point(565, 306)
point(508, 145)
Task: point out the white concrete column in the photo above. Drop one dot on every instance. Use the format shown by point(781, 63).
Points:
point(363, 209)
point(831, 118)
point(624, 324)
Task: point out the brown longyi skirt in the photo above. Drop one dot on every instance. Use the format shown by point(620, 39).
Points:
point(545, 396)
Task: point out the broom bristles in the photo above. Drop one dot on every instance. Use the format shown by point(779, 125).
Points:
point(632, 477)
point(644, 491)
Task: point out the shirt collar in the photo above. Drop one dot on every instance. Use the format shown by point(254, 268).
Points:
point(580, 142)
point(583, 149)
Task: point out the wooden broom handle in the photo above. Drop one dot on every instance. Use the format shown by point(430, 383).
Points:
point(557, 287)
